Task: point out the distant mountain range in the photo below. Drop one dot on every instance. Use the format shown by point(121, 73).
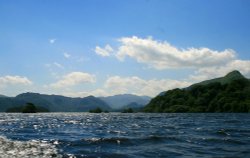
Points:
point(57, 103)
point(123, 100)
point(230, 93)
point(53, 103)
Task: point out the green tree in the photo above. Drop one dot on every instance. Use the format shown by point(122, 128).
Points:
point(29, 108)
point(96, 110)
point(128, 110)
point(226, 96)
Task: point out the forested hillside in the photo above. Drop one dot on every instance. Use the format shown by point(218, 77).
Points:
point(226, 94)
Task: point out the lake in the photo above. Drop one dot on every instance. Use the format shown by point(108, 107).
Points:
point(120, 135)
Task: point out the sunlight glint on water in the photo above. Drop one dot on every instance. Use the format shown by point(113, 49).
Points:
point(124, 135)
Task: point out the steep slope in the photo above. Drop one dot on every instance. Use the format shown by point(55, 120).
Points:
point(234, 75)
point(2, 96)
point(119, 101)
point(231, 76)
point(230, 93)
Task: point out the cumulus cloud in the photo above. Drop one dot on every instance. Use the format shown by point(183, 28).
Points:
point(14, 80)
point(106, 51)
point(139, 86)
point(218, 71)
point(97, 93)
point(206, 63)
point(74, 78)
point(125, 85)
point(162, 55)
point(52, 41)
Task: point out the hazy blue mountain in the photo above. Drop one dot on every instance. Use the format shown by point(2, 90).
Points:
point(230, 93)
point(54, 103)
point(121, 100)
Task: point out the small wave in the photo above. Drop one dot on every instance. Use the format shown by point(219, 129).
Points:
point(117, 132)
point(232, 121)
point(129, 140)
point(222, 132)
point(107, 140)
point(225, 141)
point(33, 148)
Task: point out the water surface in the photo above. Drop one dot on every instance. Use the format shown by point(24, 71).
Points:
point(124, 135)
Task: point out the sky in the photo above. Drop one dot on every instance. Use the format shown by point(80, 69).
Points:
point(93, 47)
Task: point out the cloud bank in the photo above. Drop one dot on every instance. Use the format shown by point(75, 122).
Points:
point(129, 85)
point(160, 55)
point(14, 80)
point(139, 86)
point(73, 79)
point(13, 85)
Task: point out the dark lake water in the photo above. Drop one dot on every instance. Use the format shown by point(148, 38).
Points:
point(114, 135)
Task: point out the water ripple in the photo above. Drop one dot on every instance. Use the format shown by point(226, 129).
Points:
point(124, 135)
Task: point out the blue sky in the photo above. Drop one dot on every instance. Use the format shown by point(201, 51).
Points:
point(143, 47)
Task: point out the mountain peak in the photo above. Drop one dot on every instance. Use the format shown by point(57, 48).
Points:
point(231, 76)
point(234, 75)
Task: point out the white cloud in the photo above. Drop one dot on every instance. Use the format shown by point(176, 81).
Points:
point(54, 64)
point(206, 63)
point(13, 85)
point(58, 65)
point(52, 41)
point(117, 85)
point(14, 80)
point(106, 51)
point(138, 86)
point(162, 55)
point(66, 55)
point(97, 93)
point(74, 78)
point(218, 71)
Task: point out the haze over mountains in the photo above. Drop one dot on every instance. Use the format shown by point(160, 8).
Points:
point(122, 100)
point(230, 93)
point(57, 103)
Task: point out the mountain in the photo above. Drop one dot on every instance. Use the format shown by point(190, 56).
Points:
point(57, 103)
point(234, 75)
point(134, 106)
point(54, 103)
point(2, 96)
point(121, 100)
point(230, 93)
